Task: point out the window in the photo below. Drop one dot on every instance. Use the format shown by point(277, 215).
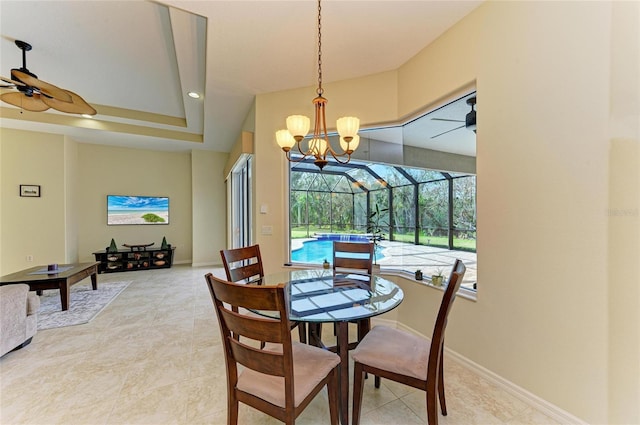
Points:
point(429, 215)
point(429, 208)
point(240, 189)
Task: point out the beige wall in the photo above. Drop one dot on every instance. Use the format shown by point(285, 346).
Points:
point(542, 73)
point(32, 226)
point(624, 217)
point(105, 170)
point(69, 221)
point(71, 180)
point(209, 206)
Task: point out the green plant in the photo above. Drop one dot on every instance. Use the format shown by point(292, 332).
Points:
point(438, 273)
point(375, 223)
point(164, 244)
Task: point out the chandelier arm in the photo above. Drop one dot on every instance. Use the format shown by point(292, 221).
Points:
point(304, 154)
point(290, 159)
point(337, 157)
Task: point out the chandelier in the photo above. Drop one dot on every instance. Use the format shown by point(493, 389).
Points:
point(318, 145)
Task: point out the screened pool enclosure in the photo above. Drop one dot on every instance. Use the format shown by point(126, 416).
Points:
point(417, 207)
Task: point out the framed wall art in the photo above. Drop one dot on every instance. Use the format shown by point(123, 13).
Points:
point(30, 190)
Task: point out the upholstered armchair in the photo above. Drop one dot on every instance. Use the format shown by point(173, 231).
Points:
point(18, 316)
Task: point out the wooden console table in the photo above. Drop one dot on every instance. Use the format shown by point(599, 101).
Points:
point(126, 260)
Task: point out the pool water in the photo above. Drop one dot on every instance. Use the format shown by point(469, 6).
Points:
point(318, 251)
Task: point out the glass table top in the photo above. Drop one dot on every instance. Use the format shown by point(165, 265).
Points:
point(316, 295)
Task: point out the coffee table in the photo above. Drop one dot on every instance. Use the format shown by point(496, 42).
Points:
point(38, 278)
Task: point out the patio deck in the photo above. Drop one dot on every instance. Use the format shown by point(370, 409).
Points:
point(409, 257)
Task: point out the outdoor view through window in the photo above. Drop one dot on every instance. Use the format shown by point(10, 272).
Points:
point(425, 216)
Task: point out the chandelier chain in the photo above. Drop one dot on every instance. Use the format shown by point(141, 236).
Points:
point(318, 144)
point(320, 90)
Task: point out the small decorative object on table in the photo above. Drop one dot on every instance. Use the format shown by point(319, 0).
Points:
point(418, 274)
point(325, 264)
point(113, 247)
point(164, 244)
point(436, 279)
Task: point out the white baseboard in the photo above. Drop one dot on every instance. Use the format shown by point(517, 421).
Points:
point(518, 392)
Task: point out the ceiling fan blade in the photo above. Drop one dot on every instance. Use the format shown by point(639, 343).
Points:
point(446, 119)
point(448, 131)
point(29, 103)
point(77, 105)
point(11, 82)
point(44, 87)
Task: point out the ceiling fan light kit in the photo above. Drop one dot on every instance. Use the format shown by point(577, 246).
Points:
point(36, 95)
point(470, 119)
point(298, 126)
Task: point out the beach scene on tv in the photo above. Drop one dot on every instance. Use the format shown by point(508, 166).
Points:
point(137, 210)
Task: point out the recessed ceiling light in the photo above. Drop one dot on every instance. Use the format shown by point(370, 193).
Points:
point(194, 95)
point(87, 116)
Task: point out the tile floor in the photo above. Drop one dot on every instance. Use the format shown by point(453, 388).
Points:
point(153, 356)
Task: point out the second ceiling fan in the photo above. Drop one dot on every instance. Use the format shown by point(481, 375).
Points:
point(33, 94)
point(469, 121)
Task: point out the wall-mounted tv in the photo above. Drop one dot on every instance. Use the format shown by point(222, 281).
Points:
point(137, 210)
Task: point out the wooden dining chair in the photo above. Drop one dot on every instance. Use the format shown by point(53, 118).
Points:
point(406, 358)
point(282, 378)
point(244, 265)
point(358, 257)
point(349, 257)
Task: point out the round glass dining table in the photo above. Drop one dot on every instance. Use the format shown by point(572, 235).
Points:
point(318, 296)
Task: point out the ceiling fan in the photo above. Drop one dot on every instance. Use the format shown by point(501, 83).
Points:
point(469, 122)
point(36, 95)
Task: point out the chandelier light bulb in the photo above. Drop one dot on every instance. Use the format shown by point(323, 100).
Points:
point(298, 126)
point(351, 146)
point(318, 146)
point(285, 140)
point(348, 127)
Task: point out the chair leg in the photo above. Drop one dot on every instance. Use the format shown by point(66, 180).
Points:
point(332, 391)
point(232, 409)
point(432, 408)
point(302, 332)
point(315, 334)
point(443, 403)
point(358, 381)
point(376, 381)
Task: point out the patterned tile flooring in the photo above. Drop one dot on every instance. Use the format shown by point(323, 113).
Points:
point(153, 356)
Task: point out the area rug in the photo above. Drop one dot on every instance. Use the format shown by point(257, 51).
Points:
point(85, 304)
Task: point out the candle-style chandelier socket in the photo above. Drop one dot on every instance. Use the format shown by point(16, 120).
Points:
point(298, 126)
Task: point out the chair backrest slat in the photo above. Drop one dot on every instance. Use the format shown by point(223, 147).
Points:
point(242, 264)
point(252, 327)
point(267, 362)
point(343, 256)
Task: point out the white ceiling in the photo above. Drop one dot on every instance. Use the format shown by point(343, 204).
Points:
point(134, 61)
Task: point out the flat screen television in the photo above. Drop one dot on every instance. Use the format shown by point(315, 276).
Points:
point(122, 210)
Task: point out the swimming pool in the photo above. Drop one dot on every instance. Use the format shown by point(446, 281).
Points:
point(315, 251)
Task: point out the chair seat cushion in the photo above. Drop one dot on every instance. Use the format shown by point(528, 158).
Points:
point(395, 351)
point(310, 366)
